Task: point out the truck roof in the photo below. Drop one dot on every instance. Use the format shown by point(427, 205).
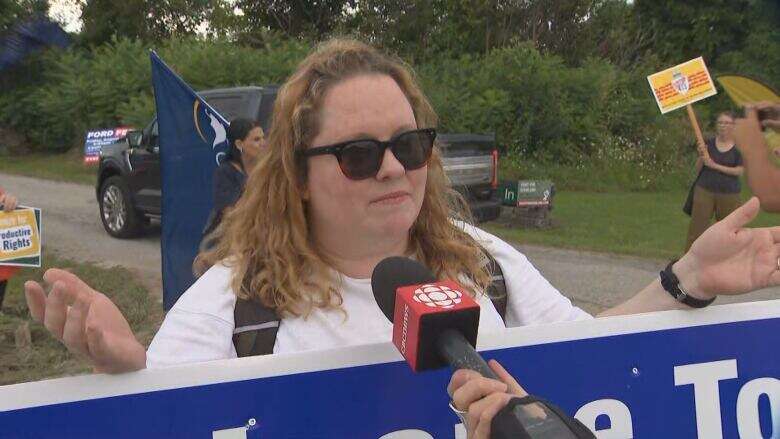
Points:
point(466, 138)
point(241, 90)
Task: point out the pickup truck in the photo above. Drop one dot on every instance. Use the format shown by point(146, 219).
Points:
point(128, 188)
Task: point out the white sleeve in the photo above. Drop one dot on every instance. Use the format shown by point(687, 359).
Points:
point(200, 325)
point(531, 299)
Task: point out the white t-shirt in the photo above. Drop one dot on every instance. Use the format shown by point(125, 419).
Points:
point(200, 325)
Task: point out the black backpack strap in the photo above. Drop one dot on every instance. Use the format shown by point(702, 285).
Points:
point(255, 330)
point(256, 325)
point(497, 289)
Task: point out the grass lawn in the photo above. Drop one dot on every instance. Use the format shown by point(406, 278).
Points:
point(642, 224)
point(61, 167)
point(48, 358)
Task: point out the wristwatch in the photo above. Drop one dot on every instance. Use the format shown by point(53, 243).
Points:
point(671, 284)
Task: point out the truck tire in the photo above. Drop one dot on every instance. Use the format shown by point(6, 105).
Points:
point(119, 217)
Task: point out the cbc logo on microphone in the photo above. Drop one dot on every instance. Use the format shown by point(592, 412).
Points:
point(437, 296)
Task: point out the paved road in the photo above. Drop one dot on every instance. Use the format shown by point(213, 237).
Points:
point(72, 229)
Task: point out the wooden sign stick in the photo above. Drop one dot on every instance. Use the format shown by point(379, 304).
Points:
point(696, 130)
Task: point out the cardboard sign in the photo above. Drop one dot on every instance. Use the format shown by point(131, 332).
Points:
point(20, 237)
point(97, 139)
point(710, 373)
point(681, 85)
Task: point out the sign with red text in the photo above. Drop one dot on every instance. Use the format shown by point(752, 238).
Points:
point(681, 85)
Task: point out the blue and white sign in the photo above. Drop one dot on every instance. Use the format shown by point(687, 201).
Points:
point(710, 373)
point(97, 139)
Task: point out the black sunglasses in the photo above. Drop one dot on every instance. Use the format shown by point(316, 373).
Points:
point(361, 159)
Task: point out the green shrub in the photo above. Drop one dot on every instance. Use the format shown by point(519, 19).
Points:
point(595, 126)
point(111, 84)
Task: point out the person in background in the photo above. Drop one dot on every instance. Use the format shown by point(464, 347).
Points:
point(8, 203)
point(246, 139)
point(761, 151)
point(717, 188)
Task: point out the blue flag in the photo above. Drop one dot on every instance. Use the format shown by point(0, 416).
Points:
point(192, 139)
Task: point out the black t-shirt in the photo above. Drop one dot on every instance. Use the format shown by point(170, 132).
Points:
point(716, 181)
point(228, 185)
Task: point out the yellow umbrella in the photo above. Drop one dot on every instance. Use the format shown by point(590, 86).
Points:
point(743, 90)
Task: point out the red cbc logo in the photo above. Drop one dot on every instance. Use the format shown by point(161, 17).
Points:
point(437, 296)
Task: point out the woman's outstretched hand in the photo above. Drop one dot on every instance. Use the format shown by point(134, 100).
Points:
point(730, 258)
point(85, 321)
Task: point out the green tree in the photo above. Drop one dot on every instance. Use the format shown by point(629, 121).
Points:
point(151, 20)
point(14, 11)
point(685, 30)
point(422, 28)
point(617, 34)
point(760, 53)
point(105, 19)
point(294, 19)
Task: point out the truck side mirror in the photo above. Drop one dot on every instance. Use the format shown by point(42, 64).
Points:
point(134, 138)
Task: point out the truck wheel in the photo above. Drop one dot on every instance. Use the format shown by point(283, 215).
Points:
point(119, 217)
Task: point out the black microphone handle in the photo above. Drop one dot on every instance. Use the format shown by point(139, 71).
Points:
point(459, 354)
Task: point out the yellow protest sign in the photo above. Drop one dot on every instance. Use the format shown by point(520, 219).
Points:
point(681, 85)
point(20, 237)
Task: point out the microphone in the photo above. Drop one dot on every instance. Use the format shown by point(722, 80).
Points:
point(435, 324)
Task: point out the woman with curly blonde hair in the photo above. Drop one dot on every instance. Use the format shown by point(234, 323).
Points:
point(352, 176)
point(275, 253)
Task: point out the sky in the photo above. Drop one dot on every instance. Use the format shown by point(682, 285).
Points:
point(67, 13)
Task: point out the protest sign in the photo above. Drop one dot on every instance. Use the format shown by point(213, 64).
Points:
point(681, 85)
point(20, 237)
point(710, 373)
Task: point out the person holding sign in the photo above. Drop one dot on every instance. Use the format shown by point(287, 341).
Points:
point(717, 188)
point(8, 203)
point(352, 176)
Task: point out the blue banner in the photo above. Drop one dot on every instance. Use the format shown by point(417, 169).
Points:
point(29, 36)
point(192, 138)
point(700, 374)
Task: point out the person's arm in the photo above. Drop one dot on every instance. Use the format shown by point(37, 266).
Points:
point(728, 170)
point(762, 176)
point(726, 259)
point(699, 164)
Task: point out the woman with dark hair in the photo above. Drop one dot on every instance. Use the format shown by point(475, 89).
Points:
point(246, 139)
